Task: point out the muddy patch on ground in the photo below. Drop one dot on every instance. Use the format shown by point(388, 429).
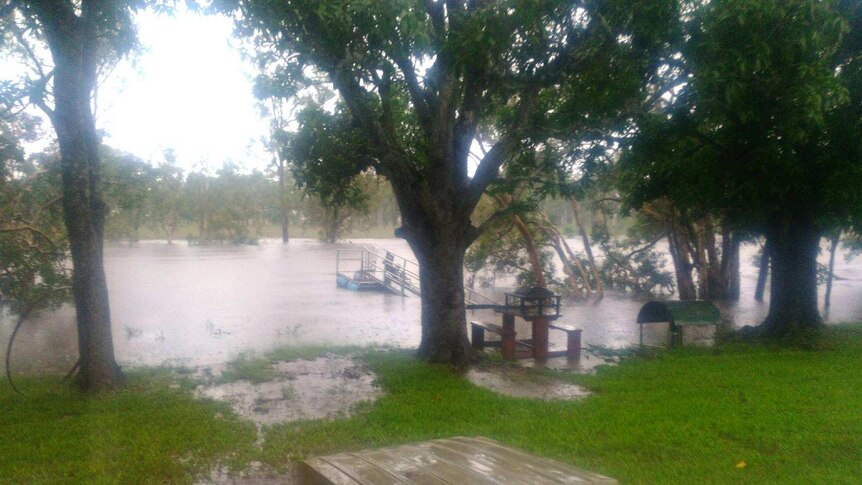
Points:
point(587, 364)
point(519, 381)
point(516, 382)
point(326, 387)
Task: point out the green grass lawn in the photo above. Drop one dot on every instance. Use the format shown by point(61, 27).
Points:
point(738, 414)
point(735, 414)
point(152, 432)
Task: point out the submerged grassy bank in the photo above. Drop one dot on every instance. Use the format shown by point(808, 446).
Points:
point(736, 414)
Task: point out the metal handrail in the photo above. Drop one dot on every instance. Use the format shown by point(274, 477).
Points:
point(471, 296)
point(408, 279)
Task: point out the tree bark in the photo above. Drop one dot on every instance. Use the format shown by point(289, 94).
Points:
point(444, 322)
point(532, 252)
point(682, 266)
point(763, 272)
point(696, 235)
point(333, 223)
point(577, 262)
point(729, 271)
point(73, 46)
point(567, 257)
point(793, 292)
point(567, 265)
point(715, 287)
point(597, 278)
point(833, 247)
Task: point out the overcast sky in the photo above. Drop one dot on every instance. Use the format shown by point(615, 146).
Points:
point(188, 90)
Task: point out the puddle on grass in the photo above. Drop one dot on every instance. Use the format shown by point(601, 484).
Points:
point(587, 364)
point(326, 387)
point(516, 383)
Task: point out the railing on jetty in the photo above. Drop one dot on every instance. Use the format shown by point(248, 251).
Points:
point(364, 269)
point(478, 301)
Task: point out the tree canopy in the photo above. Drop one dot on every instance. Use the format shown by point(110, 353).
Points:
point(762, 131)
point(423, 81)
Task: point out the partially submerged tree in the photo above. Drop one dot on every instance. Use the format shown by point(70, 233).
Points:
point(421, 79)
point(329, 154)
point(279, 138)
point(128, 183)
point(166, 198)
point(80, 35)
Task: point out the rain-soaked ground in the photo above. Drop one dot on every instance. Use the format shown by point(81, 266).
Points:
point(202, 305)
point(326, 387)
point(329, 386)
point(516, 383)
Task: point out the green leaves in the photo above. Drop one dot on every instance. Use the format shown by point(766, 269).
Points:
point(752, 134)
point(33, 271)
point(327, 154)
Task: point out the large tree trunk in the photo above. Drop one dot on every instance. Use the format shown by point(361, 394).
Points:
point(793, 292)
point(696, 236)
point(762, 273)
point(332, 225)
point(573, 259)
point(729, 272)
point(597, 278)
point(532, 252)
point(73, 50)
point(444, 323)
point(833, 248)
point(682, 266)
point(715, 288)
point(567, 265)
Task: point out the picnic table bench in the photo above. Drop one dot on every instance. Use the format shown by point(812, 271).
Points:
point(508, 342)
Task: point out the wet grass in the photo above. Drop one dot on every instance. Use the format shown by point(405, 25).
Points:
point(288, 354)
point(248, 367)
point(153, 432)
point(257, 368)
point(737, 414)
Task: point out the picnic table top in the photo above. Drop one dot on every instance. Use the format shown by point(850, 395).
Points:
point(456, 460)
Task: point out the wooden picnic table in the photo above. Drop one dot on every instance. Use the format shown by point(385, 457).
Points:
point(457, 460)
point(536, 347)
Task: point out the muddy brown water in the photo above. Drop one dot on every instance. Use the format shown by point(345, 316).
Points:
point(201, 305)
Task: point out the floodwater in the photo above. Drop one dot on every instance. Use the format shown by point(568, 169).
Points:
point(202, 305)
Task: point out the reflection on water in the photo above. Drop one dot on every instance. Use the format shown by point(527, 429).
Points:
point(201, 305)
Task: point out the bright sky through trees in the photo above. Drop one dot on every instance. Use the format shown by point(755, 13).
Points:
point(188, 90)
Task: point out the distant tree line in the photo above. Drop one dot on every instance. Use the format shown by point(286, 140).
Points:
point(160, 201)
